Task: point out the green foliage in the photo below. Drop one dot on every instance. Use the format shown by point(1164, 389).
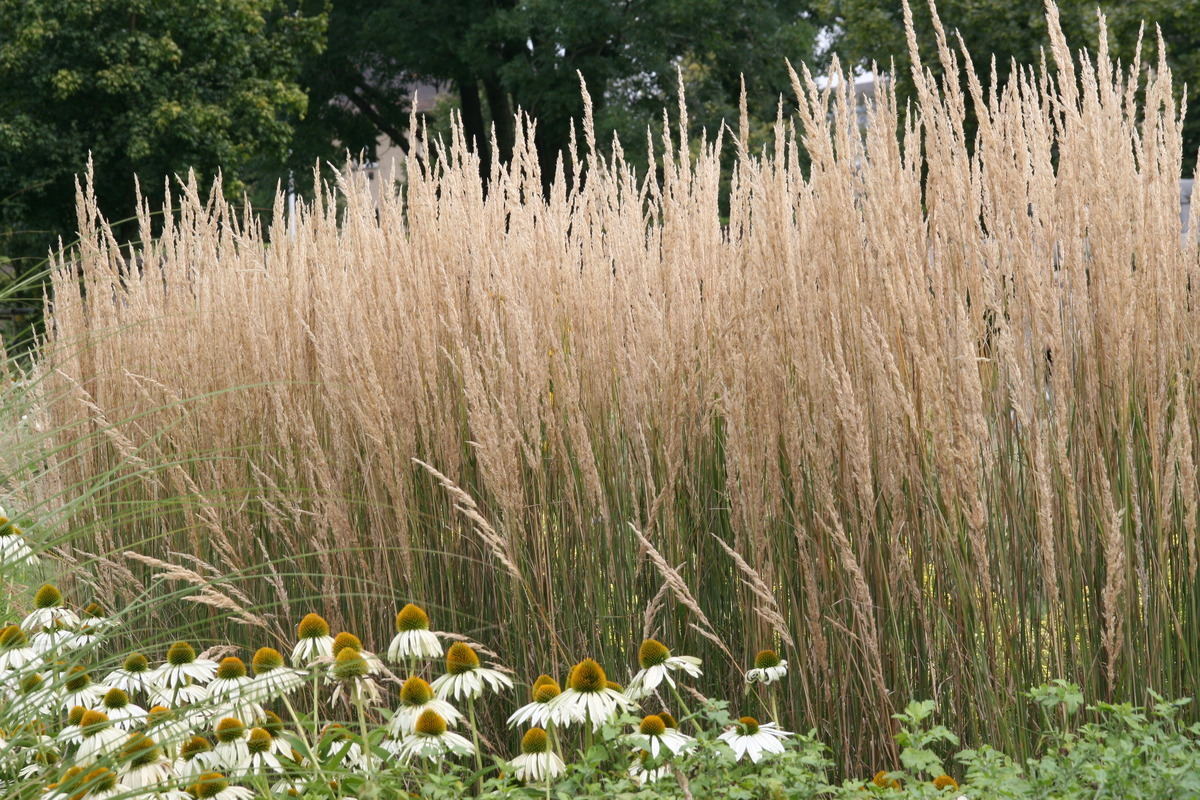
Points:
point(869, 31)
point(146, 88)
point(507, 56)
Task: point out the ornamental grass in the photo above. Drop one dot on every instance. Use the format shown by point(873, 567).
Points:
point(916, 413)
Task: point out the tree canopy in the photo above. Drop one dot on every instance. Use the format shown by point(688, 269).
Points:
point(866, 31)
point(146, 88)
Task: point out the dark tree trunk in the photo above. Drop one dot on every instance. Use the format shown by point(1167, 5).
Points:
point(473, 127)
point(502, 117)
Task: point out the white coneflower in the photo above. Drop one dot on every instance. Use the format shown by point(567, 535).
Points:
point(15, 650)
point(14, 550)
point(588, 696)
point(748, 737)
point(77, 783)
point(171, 727)
point(93, 623)
point(465, 678)
point(182, 668)
point(336, 740)
point(313, 642)
point(133, 676)
point(48, 609)
point(228, 693)
point(196, 757)
point(71, 733)
point(124, 714)
point(55, 638)
point(231, 751)
point(431, 740)
point(538, 712)
point(643, 774)
point(768, 668)
point(143, 764)
point(655, 736)
point(272, 678)
point(413, 638)
point(215, 786)
point(417, 697)
point(273, 724)
point(99, 737)
point(537, 762)
point(657, 665)
point(78, 690)
point(262, 758)
point(348, 640)
point(34, 697)
point(351, 674)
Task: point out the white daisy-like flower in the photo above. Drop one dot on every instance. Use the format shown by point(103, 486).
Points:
point(133, 677)
point(351, 674)
point(81, 783)
point(99, 737)
point(657, 665)
point(71, 733)
point(655, 736)
point(231, 680)
point(643, 774)
point(182, 668)
point(34, 697)
point(172, 728)
point(465, 678)
point(78, 690)
point(55, 639)
point(273, 725)
point(431, 740)
point(750, 738)
point(417, 697)
point(539, 713)
point(262, 760)
point(232, 751)
point(413, 638)
point(336, 740)
point(196, 757)
point(537, 763)
point(589, 698)
point(345, 640)
point(272, 678)
point(124, 714)
point(228, 694)
point(313, 642)
point(48, 609)
point(215, 786)
point(175, 696)
point(144, 765)
point(14, 550)
point(768, 668)
point(16, 652)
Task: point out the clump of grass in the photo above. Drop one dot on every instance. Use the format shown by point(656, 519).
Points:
point(922, 417)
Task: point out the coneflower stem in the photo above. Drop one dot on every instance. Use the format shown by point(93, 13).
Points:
point(312, 756)
point(316, 717)
point(475, 741)
point(687, 714)
point(774, 709)
point(587, 734)
point(362, 724)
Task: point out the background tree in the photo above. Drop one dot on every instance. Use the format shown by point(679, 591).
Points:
point(147, 88)
point(504, 55)
point(873, 30)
